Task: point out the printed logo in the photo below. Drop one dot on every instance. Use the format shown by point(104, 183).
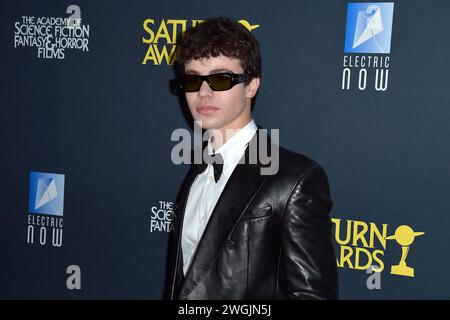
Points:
point(369, 27)
point(362, 245)
point(161, 217)
point(46, 193)
point(46, 208)
point(368, 31)
point(160, 38)
point(52, 36)
point(404, 236)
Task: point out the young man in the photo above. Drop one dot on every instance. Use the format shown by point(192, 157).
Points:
point(240, 234)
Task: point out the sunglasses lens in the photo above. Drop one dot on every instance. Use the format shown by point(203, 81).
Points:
point(217, 82)
point(191, 83)
point(220, 82)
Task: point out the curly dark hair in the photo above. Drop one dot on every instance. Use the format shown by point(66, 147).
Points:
point(220, 36)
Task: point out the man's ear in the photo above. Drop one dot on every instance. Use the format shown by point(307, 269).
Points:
point(252, 87)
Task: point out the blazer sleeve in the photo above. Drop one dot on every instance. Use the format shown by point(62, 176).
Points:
point(307, 249)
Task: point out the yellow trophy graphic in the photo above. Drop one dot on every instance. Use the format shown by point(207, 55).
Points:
point(249, 26)
point(404, 236)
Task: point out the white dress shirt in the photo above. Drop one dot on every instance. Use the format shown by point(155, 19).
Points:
point(205, 192)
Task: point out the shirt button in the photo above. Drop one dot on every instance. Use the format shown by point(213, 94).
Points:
point(230, 244)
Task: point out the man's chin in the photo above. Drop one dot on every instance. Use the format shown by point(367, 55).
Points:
point(207, 125)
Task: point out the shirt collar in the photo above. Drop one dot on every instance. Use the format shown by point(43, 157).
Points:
point(232, 150)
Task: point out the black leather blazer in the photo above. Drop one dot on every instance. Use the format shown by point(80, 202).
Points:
point(268, 237)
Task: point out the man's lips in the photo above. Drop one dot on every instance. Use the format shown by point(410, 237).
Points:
point(206, 110)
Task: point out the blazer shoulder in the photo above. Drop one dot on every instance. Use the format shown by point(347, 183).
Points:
point(295, 163)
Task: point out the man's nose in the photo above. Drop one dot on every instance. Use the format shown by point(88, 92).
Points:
point(205, 89)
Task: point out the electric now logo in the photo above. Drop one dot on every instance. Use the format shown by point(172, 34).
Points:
point(369, 27)
point(367, 46)
point(45, 207)
point(46, 193)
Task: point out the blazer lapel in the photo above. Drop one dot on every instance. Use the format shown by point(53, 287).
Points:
point(175, 262)
point(240, 189)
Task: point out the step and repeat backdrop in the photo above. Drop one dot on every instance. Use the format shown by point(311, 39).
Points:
point(87, 116)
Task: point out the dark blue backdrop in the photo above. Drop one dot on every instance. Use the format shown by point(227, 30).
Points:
point(103, 119)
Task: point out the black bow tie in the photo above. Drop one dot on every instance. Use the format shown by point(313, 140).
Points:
point(216, 160)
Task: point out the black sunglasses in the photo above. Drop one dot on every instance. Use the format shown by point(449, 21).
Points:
point(217, 82)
